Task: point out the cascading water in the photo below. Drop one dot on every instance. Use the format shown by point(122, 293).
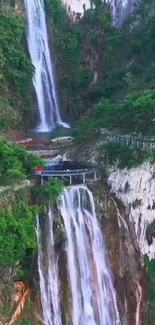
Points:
point(93, 293)
point(44, 81)
point(48, 277)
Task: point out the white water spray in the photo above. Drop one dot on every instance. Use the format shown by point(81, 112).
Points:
point(48, 278)
point(93, 293)
point(44, 81)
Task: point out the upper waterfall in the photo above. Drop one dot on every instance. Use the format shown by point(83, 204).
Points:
point(44, 80)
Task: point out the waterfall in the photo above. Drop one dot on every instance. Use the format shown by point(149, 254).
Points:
point(43, 81)
point(93, 293)
point(48, 277)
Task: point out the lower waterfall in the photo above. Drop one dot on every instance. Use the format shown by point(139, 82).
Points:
point(93, 294)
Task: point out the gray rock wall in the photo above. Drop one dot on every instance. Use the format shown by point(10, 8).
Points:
point(121, 9)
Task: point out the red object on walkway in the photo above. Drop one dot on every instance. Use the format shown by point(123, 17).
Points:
point(36, 142)
point(32, 142)
point(38, 168)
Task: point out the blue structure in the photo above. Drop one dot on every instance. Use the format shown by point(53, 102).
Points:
point(71, 172)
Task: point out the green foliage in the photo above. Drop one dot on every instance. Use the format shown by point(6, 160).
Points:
point(130, 81)
point(16, 70)
point(115, 152)
point(15, 162)
point(137, 113)
point(9, 117)
point(150, 273)
point(78, 47)
point(25, 321)
point(112, 152)
point(17, 232)
point(133, 114)
point(84, 129)
point(122, 96)
point(104, 115)
point(5, 311)
point(17, 67)
point(49, 191)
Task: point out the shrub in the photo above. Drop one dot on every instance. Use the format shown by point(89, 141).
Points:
point(17, 229)
point(49, 191)
point(16, 162)
point(16, 71)
point(114, 152)
point(133, 114)
point(150, 273)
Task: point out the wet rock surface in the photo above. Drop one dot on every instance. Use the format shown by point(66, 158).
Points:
point(124, 256)
point(121, 9)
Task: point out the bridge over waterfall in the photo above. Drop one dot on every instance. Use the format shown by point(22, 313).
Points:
point(68, 171)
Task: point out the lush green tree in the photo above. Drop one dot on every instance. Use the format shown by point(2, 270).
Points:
point(9, 117)
point(150, 273)
point(17, 228)
point(120, 59)
point(49, 191)
point(134, 114)
point(112, 152)
point(79, 44)
point(137, 113)
point(16, 71)
point(15, 162)
point(122, 155)
point(104, 114)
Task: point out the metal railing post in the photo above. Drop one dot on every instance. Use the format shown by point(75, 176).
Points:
point(84, 178)
point(95, 176)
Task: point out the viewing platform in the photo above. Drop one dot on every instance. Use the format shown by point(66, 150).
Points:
point(70, 172)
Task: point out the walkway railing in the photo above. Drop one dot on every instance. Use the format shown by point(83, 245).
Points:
point(68, 174)
point(132, 142)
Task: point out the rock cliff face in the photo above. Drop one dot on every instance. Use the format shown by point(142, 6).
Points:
point(123, 255)
point(135, 188)
point(6, 301)
point(121, 9)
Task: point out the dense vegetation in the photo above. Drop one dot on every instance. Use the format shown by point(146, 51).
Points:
point(135, 115)
point(49, 191)
point(15, 162)
point(105, 72)
point(79, 47)
point(150, 278)
point(19, 207)
point(122, 156)
point(16, 71)
point(17, 221)
point(17, 232)
point(100, 72)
